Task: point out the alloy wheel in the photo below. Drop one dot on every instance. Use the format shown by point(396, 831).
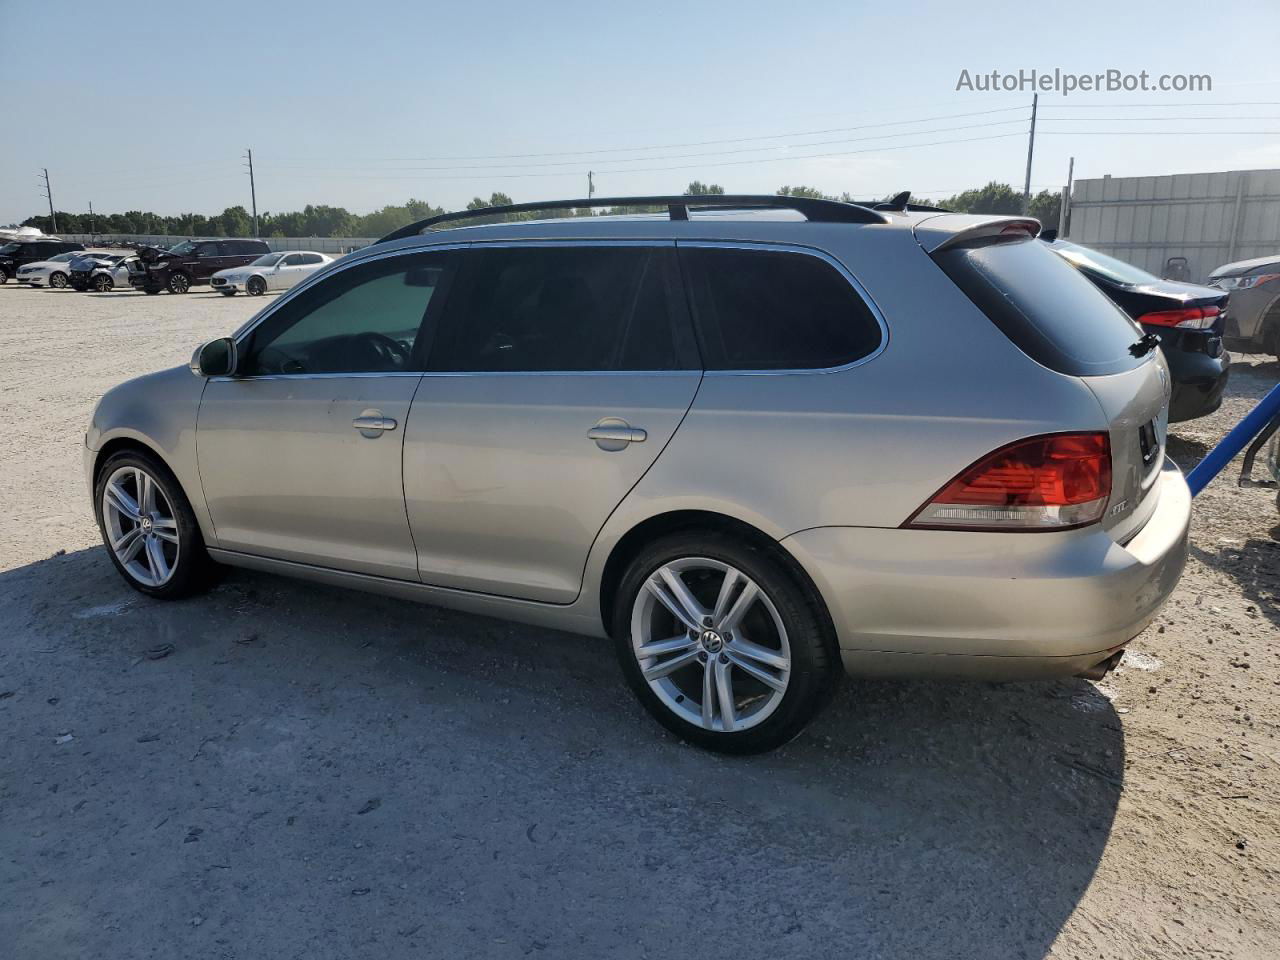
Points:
point(710, 644)
point(102, 283)
point(179, 283)
point(141, 526)
point(57, 279)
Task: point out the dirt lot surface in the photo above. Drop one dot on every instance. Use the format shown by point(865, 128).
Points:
point(313, 773)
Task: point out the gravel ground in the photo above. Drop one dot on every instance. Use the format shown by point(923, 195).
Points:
point(315, 773)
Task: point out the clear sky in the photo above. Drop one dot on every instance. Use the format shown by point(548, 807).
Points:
point(346, 102)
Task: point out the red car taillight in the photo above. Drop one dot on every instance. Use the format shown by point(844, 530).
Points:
point(1187, 318)
point(1051, 482)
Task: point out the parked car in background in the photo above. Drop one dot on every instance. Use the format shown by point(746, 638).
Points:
point(190, 262)
point(1187, 319)
point(19, 253)
point(54, 271)
point(101, 273)
point(1254, 286)
point(270, 272)
point(742, 445)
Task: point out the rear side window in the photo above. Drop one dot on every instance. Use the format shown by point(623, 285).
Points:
point(773, 310)
point(1054, 314)
point(547, 309)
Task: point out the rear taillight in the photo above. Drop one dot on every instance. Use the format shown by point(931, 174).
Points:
point(1186, 318)
point(1051, 482)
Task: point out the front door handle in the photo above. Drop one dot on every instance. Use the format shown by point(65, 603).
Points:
point(372, 424)
point(613, 434)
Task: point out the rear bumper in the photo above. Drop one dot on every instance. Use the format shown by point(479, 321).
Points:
point(1199, 382)
point(994, 605)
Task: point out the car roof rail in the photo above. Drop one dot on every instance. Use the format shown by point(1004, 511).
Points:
point(813, 209)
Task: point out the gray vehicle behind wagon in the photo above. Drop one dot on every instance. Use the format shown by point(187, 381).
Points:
point(757, 441)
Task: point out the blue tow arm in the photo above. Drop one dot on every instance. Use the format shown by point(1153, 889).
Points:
point(1235, 441)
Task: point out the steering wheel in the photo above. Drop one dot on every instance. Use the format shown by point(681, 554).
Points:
point(392, 351)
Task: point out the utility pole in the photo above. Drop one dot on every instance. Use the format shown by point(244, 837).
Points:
point(91, 220)
point(1064, 209)
point(53, 217)
point(1031, 149)
point(253, 192)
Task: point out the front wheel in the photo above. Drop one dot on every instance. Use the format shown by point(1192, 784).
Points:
point(57, 279)
point(179, 283)
point(148, 527)
point(256, 287)
point(102, 283)
point(4, 276)
point(721, 644)
point(227, 293)
point(150, 291)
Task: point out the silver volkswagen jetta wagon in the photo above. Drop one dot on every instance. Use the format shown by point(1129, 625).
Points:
point(757, 441)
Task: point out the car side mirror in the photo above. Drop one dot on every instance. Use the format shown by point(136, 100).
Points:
point(217, 358)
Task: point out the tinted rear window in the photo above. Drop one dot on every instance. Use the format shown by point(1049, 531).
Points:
point(1048, 308)
point(772, 310)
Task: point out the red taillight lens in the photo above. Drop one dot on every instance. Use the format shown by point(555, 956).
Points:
point(1042, 483)
point(1187, 318)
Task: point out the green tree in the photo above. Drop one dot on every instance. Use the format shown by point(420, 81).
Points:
point(993, 198)
point(698, 188)
point(1046, 206)
point(811, 192)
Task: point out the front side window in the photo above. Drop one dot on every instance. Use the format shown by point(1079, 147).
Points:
point(775, 310)
point(549, 308)
point(184, 248)
point(207, 251)
point(365, 319)
point(267, 260)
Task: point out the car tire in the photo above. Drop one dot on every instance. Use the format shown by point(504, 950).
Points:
point(103, 283)
point(227, 293)
point(179, 283)
point(57, 280)
point(152, 538)
point(150, 291)
point(775, 682)
point(4, 276)
point(256, 287)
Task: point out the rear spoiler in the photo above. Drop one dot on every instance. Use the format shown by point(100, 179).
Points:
point(939, 233)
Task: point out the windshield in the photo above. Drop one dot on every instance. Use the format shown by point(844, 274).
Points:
point(186, 246)
point(1109, 268)
point(267, 260)
point(64, 257)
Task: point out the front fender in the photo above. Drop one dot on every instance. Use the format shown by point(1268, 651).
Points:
point(159, 412)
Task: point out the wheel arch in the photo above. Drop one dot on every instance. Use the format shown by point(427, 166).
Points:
point(646, 531)
point(123, 442)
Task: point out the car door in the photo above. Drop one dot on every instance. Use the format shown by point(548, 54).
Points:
point(560, 372)
point(300, 451)
point(286, 273)
point(207, 260)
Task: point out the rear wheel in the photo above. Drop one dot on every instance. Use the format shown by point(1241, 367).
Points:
point(150, 291)
point(57, 279)
point(227, 293)
point(721, 644)
point(148, 527)
point(256, 287)
point(179, 283)
point(102, 283)
point(4, 276)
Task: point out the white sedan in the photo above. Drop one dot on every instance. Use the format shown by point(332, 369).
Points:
point(53, 271)
point(271, 271)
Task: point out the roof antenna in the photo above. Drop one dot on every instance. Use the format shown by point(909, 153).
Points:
point(898, 202)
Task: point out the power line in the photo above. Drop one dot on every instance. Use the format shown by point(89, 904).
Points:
point(683, 156)
point(694, 143)
point(686, 166)
point(1163, 106)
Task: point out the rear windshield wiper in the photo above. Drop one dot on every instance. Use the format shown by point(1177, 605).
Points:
point(1144, 346)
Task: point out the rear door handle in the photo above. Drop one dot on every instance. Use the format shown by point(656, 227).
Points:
point(368, 424)
point(615, 434)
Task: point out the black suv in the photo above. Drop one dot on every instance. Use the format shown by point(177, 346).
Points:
point(190, 262)
point(21, 252)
